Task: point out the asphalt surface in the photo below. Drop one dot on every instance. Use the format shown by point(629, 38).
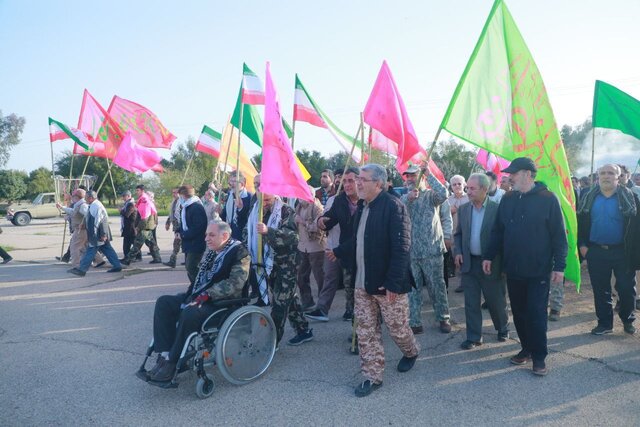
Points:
point(69, 348)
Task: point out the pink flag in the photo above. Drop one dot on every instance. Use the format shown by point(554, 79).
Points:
point(146, 127)
point(385, 112)
point(96, 122)
point(135, 158)
point(98, 149)
point(281, 174)
point(491, 162)
point(380, 142)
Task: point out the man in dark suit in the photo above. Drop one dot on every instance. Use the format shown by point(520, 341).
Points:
point(472, 236)
point(191, 230)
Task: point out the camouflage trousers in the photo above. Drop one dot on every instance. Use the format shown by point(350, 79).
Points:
point(143, 236)
point(177, 245)
point(368, 327)
point(556, 296)
point(285, 302)
point(428, 272)
point(347, 279)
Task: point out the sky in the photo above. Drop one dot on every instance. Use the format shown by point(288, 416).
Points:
point(183, 60)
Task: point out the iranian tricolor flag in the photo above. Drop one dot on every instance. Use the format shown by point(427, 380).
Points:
point(306, 110)
point(209, 142)
point(58, 131)
point(252, 87)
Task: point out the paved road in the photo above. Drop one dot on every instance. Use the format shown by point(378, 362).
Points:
point(69, 347)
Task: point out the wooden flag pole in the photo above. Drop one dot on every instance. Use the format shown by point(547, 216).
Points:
point(593, 148)
point(293, 134)
point(105, 176)
point(362, 140)
point(226, 159)
point(237, 192)
point(84, 169)
point(64, 232)
point(260, 215)
point(186, 171)
point(346, 164)
point(433, 145)
point(113, 187)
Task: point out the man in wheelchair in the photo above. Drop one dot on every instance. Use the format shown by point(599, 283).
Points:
point(222, 275)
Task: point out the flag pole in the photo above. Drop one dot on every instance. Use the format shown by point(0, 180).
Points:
point(346, 164)
point(226, 159)
point(113, 187)
point(433, 145)
point(260, 215)
point(105, 176)
point(186, 171)
point(64, 232)
point(84, 169)
point(593, 147)
point(238, 153)
point(362, 140)
point(293, 133)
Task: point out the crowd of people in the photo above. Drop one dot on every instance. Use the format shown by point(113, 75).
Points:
point(506, 238)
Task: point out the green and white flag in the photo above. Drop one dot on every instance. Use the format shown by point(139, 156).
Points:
point(59, 131)
point(306, 110)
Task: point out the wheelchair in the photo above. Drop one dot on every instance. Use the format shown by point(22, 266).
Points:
point(239, 339)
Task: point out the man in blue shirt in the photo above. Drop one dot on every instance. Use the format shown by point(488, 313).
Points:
point(609, 239)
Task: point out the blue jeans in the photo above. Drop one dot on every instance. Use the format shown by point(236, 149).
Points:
point(602, 263)
point(529, 299)
point(106, 249)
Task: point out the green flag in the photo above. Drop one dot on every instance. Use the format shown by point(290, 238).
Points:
point(501, 105)
point(614, 109)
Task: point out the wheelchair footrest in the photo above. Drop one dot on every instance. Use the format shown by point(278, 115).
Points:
point(164, 384)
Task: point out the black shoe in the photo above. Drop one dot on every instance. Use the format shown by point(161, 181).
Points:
point(155, 261)
point(601, 330)
point(459, 289)
point(7, 260)
point(406, 363)
point(468, 345)
point(348, 315)
point(169, 264)
point(629, 328)
point(164, 373)
point(539, 368)
point(366, 388)
point(125, 262)
point(554, 315)
point(183, 263)
point(521, 358)
point(77, 272)
point(100, 264)
point(317, 315)
point(445, 326)
point(301, 338)
point(63, 259)
point(417, 330)
point(503, 336)
point(114, 270)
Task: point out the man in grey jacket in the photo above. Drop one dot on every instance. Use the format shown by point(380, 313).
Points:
point(472, 236)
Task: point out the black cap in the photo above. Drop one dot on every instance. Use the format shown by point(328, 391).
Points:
point(411, 170)
point(521, 163)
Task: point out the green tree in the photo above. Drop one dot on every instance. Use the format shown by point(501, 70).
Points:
point(315, 164)
point(11, 128)
point(40, 181)
point(575, 140)
point(200, 171)
point(13, 185)
point(454, 158)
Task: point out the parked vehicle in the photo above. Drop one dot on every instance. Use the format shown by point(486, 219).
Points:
point(43, 206)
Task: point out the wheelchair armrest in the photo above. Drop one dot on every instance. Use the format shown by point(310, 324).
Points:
point(231, 302)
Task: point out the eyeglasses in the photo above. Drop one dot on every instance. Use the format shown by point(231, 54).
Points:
point(361, 179)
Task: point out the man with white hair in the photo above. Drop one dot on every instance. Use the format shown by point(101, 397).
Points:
point(609, 238)
point(458, 198)
point(96, 223)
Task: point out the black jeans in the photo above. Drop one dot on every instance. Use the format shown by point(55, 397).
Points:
point(127, 242)
point(169, 337)
point(192, 259)
point(601, 264)
point(529, 299)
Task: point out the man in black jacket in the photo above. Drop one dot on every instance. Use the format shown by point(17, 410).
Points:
point(341, 214)
point(236, 212)
point(530, 234)
point(379, 254)
point(191, 230)
point(609, 238)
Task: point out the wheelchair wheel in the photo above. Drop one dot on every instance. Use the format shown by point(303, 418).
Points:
point(246, 345)
point(204, 387)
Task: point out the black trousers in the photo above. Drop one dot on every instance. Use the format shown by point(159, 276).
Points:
point(4, 254)
point(529, 299)
point(169, 337)
point(602, 263)
point(192, 259)
point(127, 242)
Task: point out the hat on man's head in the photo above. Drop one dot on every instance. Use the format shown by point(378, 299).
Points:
point(411, 169)
point(521, 163)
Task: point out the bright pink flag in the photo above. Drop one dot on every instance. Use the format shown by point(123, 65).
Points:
point(145, 125)
point(98, 149)
point(280, 172)
point(133, 157)
point(491, 162)
point(95, 121)
point(385, 112)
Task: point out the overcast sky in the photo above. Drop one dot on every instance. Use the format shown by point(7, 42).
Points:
point(184, 60)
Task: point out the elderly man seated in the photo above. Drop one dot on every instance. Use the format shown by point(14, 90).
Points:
point(222, 275)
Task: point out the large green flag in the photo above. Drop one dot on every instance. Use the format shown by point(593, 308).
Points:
point(614, 109)
point(501, 105)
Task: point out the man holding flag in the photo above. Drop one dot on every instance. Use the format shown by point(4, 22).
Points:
point(529, 233)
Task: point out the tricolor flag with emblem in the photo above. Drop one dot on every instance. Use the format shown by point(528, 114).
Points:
point(209, 142)
point(58, 131)
point(252, 87)
point(306, 110)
